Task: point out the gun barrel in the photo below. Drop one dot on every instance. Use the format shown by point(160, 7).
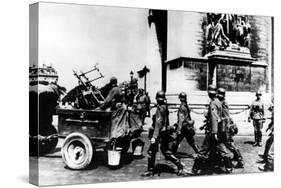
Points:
point(84, 73)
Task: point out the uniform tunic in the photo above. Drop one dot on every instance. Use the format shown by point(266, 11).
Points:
point(216, 128)
point(183, 114)
point(114, 97)
point(162, 137)
point(257, 115)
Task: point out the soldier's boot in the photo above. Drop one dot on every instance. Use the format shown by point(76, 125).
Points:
point(256, 139)
point(240, 164)
point(196, 149)
point(266, 167)
point(150, 167)
point(196, 167)
point(177, 162)
point(228, 164)
point(259, 139)
point(239, 159)
point(181, 170)
point(267, 148)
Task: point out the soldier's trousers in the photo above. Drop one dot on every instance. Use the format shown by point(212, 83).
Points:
point(206, 144)
point(165, 147)
point(268, 145)
point(189, 138)
point(230, 145)
point(219, 152)
point(258, 124)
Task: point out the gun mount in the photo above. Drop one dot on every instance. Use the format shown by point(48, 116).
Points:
point(85, 95)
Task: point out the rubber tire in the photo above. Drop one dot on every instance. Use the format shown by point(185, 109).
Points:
point(77, 141)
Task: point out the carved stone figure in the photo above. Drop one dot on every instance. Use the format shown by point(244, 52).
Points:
point(225, 30)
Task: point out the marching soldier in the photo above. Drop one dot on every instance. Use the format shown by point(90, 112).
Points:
point(217, 130)
point(161, 135)
point(205, 146)
point(185, 125)
point(230, 129)
point(257, 115)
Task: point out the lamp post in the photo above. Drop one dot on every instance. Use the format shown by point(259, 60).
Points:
point(131, 74)
point(142, 73)
point(131, 87)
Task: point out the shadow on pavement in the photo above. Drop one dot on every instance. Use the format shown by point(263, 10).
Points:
point(184, 155)
point(249, 142)
point(163, 168)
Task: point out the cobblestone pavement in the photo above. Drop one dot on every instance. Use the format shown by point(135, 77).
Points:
point(53, 170)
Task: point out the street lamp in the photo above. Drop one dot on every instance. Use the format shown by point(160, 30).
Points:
point(131, 87)
point(132, 74)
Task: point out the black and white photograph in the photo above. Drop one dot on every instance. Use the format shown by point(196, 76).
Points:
point(122, 94)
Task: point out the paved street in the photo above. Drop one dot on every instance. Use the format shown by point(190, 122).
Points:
point(53, 171)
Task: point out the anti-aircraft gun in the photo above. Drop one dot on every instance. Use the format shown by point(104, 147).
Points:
point(85, 95)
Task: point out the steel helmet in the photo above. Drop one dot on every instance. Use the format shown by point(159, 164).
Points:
point(160, 95)
point(182, 95)
point(258, 93)
point(221, 92)
point(212, 89)
point(113, 80)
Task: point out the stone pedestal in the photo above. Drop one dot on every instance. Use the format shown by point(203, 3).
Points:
point(235, 70)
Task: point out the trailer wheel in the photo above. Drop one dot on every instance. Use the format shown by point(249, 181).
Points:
point(77, 151)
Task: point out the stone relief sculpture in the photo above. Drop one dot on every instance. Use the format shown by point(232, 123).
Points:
point(227, 30)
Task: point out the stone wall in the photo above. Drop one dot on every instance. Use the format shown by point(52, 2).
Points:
point(185, 34)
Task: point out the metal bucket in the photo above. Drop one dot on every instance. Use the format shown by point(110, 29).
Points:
point(114, 157)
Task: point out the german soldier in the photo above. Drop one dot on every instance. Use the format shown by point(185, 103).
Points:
point(217, 129)
point(266, 157)
point(205, 146)
point(114, 97)
point(160, 135)
point(230, 129)
point(185, 125)
point(257, 115)
point(141, 104)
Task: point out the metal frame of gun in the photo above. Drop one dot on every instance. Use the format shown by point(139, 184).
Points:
point(83, 74)
point(96, 94)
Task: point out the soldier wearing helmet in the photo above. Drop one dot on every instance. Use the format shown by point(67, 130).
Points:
point(160, 135)
point(215, 148)
point(185, 124)
point(217, 131)
point(212, 91)
point(267, 158)
point(114, 96)
point(227, 126)
point(141, 104)
point(257, 115)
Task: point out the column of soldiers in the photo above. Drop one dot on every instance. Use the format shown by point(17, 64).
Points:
point(218, 141)
point(219, 131)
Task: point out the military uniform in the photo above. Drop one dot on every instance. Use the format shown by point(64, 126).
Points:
point(218, 131)
point(185, 128)
point(269, 141)
point(267, 159)
point(229, 142)
point(162, 136)
point(257, 115)
point(206, 142)
point(113, 98)
point(141, 106)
